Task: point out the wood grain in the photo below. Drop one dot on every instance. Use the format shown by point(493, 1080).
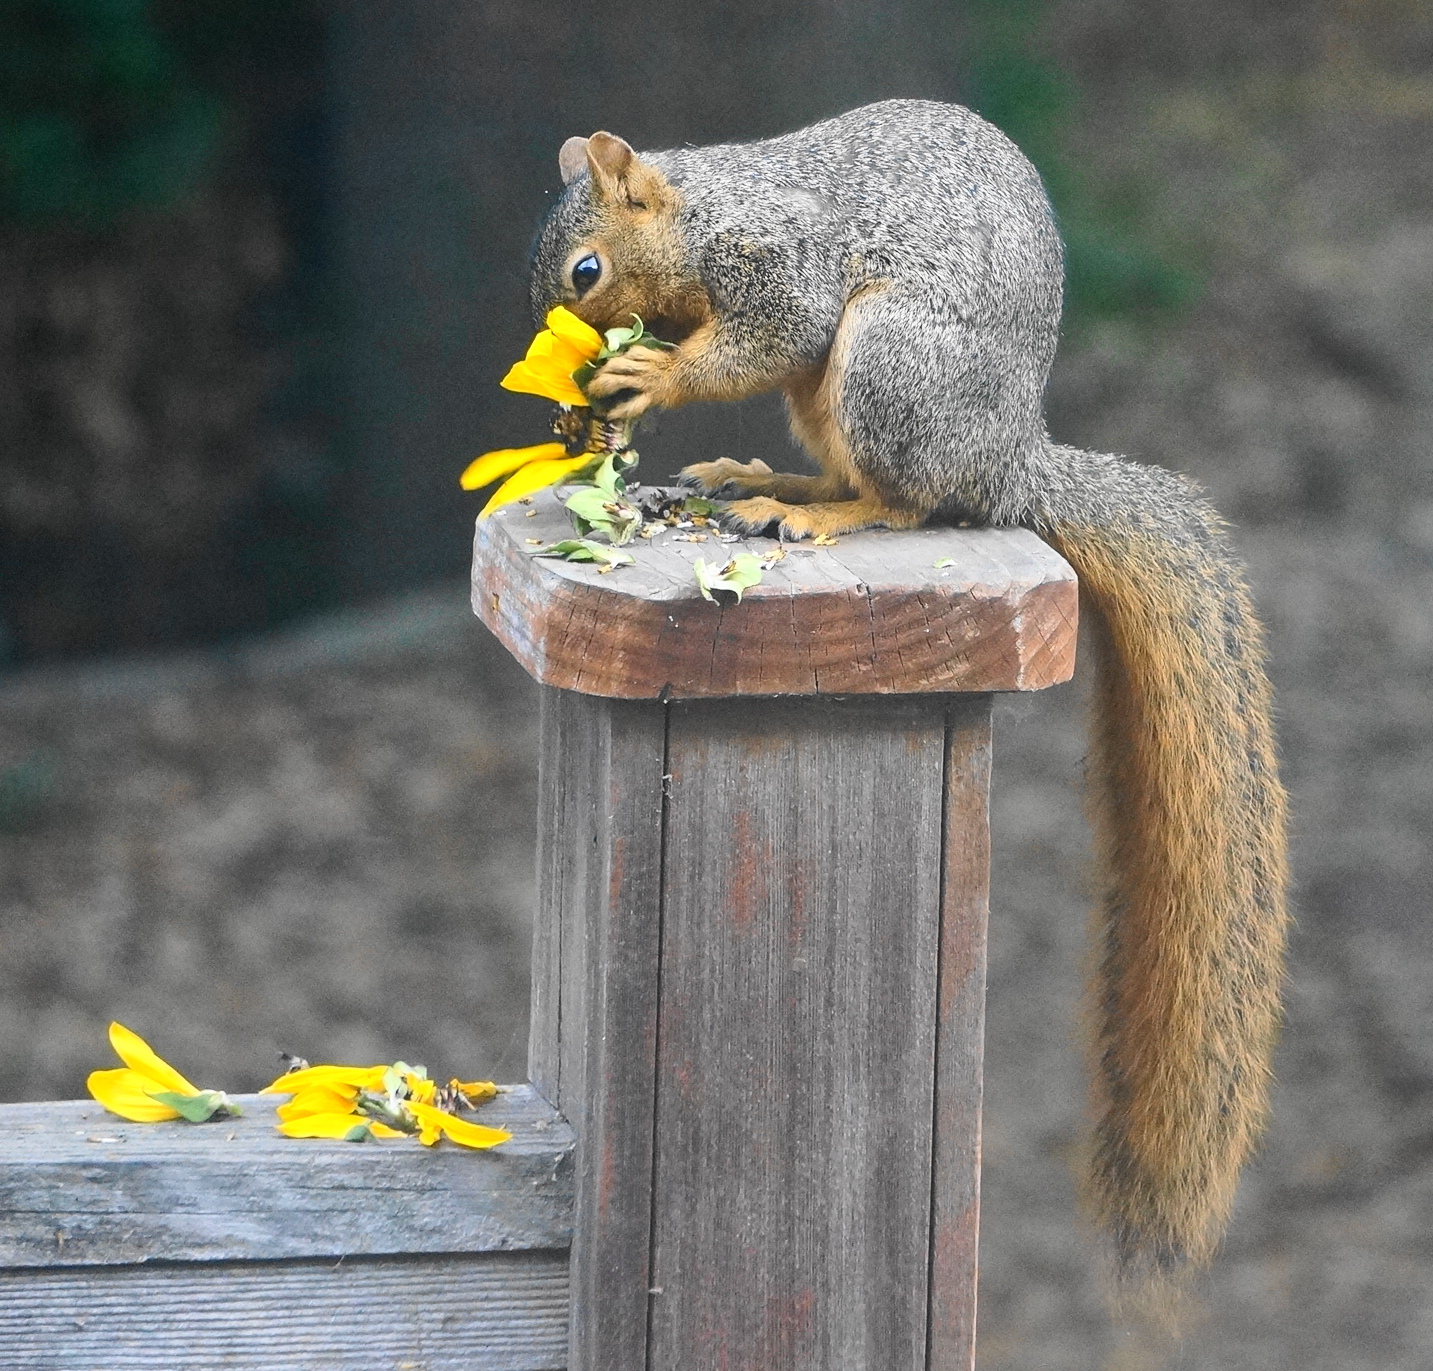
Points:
point(594, 1027)
point(960, 1037)
point(798, 1035)
point(496, 1312)
point(872, 615)
point(79, 1187)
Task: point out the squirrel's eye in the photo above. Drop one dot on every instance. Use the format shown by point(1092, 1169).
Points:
point(586, 272)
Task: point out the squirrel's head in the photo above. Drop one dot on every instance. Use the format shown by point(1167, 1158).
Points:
point(612, 247)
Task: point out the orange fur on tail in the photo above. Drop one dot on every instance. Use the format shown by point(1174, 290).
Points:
point(1189, 819)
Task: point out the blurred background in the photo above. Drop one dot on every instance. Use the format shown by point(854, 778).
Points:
point(265, 784)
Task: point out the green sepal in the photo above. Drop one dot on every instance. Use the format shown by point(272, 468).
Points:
point(198, 1108)
point(610, 475)
point(387, 1109)
point(618, 340)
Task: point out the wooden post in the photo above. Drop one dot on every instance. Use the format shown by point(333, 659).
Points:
point(758, 974)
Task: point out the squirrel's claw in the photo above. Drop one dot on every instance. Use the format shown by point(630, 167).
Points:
point(633, 406)
point(724, 478)
point(637, 376)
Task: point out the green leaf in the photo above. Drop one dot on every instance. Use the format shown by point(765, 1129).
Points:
point(590, 503)
point(609, 475)
point(196, 1108)
point(596, 511)
point(573, 549)
point(737, 576)
point(618, 338)
point(945, 562)
point(360, 1132)
point(699, 504)
point(610, 556)
point(585, 550)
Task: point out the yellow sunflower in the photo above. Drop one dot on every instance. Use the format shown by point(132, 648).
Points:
point(563, 347)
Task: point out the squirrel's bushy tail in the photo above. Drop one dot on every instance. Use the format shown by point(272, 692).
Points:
point(1189, 818)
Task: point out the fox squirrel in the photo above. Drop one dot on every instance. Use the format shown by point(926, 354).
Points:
point(897, 272)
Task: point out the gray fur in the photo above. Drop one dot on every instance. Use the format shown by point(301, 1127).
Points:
point(930, 205)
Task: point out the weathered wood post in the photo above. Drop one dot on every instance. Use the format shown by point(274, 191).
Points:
point(758, 976)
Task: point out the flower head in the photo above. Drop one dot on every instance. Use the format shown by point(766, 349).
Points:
point(559, 362)
point(361, 1102)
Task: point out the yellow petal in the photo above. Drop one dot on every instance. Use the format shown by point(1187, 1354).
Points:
point(422, 1088)
point(357, 1077)
point(334, 1126)
point(567, 326)
point(137, 1054)
point(477, 1091)
point(548, 352)
point(124, 1092)
point(534, 476)
point(319, 1099)
point(541, 378)
point(435, 1123)
point(491, 465)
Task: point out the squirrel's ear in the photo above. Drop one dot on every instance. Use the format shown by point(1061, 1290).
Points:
point(620, 176)
point(608, 159)
point(572, 159)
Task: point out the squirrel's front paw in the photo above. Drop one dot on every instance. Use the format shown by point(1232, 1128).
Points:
point(629, 384)
point(724, 477)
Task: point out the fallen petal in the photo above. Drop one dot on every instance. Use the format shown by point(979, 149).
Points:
point(123, 1091)
point(435, 1123)
point(139, 1056)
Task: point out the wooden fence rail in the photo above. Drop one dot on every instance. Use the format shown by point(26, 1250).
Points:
point(758, 996)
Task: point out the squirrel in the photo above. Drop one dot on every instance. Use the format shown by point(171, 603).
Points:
point(897, 272)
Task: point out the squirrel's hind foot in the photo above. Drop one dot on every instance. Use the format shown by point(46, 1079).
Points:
point(795, 522)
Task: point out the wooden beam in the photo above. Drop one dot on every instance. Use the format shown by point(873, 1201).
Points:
point(79, 1187)
point(874, 614)
point(500, 1311)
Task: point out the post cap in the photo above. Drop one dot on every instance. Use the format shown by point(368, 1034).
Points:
point(872, 614)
